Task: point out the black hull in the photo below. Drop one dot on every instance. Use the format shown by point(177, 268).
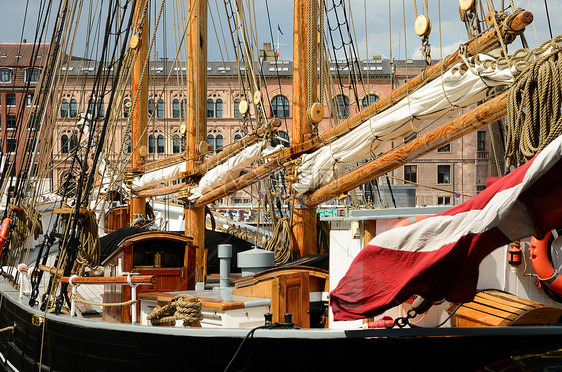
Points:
point(70, 346)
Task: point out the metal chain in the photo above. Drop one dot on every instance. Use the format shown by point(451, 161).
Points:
point(426, 50)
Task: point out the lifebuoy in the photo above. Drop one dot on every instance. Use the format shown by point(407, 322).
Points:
point(541, 263)
point(408, 221)
point(4, 232)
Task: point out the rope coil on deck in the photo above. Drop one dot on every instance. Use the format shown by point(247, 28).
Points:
point(178, 309)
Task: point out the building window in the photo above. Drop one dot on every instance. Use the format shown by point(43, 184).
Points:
point(411, 173)
point(151, 107)
point(443, 174)
point(177, 144)
point(11, 123)
point(219, 143)
point(64, 144)
point(151, 144)
point(282, 138)
point(280, 107)
point(178, 109)
point(443, 200)
point(33, 123)
point(341, 105)
point(237, 108)
point(30, 145)
point(410, 137)
point(128, 141)
point(5, 75)
point(11, 145)
point(29, 100)
point(160, 109)
point(237, 137)
point(480, 188)
point(68, 145)
point(73, 112)
point(481, 140)
point(211, 141)
point(218, 108)
point(210, 108)
point(446, 148)
point(96, 109)
point(160, 144)
point(32, 75)
point(10, 99)
point(64, 109)
point(237, 201)
point(369, 100)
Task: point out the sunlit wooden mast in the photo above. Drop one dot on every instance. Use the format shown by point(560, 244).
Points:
point(139, 87)
point(304, 96)
point(196, 113)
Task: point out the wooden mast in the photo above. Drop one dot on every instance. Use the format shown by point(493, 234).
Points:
point(304, 95)
point(196, 113)
point(139, 118)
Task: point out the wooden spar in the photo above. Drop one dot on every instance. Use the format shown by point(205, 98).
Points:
point(196, 133)
point(135, 279)
point(480, 45)
point(239, 183)
point(480, 116)
point(160, 191)
point(304, 95)
point(140, 95)
point(234, 148)
point(228, 151)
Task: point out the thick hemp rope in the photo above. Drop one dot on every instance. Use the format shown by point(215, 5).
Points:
point(280, 242)
point(534, 102)
point(178, 309)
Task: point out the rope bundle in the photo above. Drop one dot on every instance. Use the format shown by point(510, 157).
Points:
point(534, 102)
point(89, 250)
point(28, 222)
point(280, 242)
point(181, 307)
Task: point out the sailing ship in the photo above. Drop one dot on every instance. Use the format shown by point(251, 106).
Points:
point(158, 312)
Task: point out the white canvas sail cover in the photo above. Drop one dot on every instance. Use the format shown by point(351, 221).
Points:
point(451, 92)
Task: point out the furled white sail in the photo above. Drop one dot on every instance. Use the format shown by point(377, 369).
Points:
point(457, 88)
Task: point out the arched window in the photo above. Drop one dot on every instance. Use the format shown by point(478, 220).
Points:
point(280, 107)
point(341, 105)
point(64, 144)
point(183, 107)
point(218, 108)
point(160, 144)
point(236, 108)
point(151, 107)
point(96, 109)
point(73, 142)
point(151, 144)
point(125, 108)
point(64, 109)
point(160, 109)
point(73, 112)
point(219, 142)
point(210, 108)
point(176, 144)
point(237, 137)
point(176, 108)
point(211, 141)
point(369, 100)
point(128, 142)
point(282, 138)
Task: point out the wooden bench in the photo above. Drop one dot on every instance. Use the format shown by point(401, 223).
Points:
point(495, 308)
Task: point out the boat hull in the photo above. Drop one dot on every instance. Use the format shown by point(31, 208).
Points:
point(64, 344)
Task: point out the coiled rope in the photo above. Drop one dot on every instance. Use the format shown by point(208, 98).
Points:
point(28, 222)
point(89, 250)
point(534, 102)
point(181, 307)
point(280, 242)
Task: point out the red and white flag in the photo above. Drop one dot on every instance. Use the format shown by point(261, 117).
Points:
point(439, 257)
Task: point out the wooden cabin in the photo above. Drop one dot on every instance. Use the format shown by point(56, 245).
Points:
point(170, 256)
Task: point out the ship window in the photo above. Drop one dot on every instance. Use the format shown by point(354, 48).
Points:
point(280, 107)
point(210, 108)
point(443, 174)
point(369, 100)
point(341, 105)
point(411, 173)
point(5, 75)
point(160, 143)
point(218, 108)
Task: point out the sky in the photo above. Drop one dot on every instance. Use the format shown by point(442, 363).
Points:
point(374, 39)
